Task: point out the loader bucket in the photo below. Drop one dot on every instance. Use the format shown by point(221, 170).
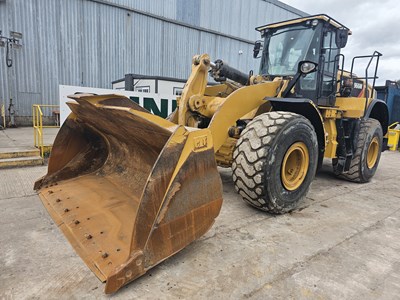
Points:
point(128, 188)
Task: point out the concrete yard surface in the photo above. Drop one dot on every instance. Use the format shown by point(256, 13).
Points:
point(343, 242)
point(21, 138)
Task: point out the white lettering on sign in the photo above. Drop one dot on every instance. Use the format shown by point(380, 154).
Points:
point(158, 104)
point(358, 85)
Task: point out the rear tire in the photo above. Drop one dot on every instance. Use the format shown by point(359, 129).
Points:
point(367, 154)
point(275, 161)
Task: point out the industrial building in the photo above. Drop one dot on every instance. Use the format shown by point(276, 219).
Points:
point(94, 42)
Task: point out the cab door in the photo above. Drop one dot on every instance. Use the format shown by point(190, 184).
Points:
point(328, 68)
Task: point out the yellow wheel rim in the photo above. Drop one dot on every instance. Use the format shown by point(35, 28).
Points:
point(372, 154)
point(295, 166)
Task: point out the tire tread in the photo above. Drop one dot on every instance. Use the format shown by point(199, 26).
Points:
point(245, 183)
point(354, 174)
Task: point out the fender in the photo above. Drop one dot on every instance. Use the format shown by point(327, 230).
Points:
point(236, 105)
point(378, 110)
point(307, 109)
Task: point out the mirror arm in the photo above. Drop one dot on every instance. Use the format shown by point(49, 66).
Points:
point(291, 84)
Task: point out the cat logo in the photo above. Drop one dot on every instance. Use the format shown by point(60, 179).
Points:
point(200, 142)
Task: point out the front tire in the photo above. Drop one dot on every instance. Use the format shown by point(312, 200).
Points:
point(275, 161)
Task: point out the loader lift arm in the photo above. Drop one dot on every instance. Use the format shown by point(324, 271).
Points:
point(225, 111)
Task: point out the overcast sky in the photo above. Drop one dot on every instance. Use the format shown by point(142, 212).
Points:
point(375, 26)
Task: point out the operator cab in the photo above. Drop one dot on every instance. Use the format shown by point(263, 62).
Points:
point(315, 39)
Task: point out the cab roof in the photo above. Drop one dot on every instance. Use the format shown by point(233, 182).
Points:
point(323, 17)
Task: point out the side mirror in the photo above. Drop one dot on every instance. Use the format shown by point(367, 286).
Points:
point(306, 67)
point(341, 37)
point(303, 68)
point(257, 48)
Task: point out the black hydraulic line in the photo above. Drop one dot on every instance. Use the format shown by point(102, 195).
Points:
point(222, 71)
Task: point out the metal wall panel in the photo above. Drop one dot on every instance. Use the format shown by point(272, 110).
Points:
point(187, 11)
point(5, 7)
point(90, 45)
point(48, 45)
point(239, 18)
point(164, 8)
point(93, 42)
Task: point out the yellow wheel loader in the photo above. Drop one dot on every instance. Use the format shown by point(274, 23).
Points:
point(129, 188)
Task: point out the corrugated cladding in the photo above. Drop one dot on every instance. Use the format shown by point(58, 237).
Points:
point(93, 42)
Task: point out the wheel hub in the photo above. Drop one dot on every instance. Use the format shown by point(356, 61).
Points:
point(372, 154)
point(295, 166)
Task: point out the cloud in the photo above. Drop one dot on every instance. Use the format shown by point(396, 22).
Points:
point(375, 26)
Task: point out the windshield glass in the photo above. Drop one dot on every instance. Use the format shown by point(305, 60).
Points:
point(286, 47)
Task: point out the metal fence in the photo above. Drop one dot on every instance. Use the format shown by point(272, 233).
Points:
point(37, 122)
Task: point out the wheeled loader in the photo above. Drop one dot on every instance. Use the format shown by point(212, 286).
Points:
point(129, 188)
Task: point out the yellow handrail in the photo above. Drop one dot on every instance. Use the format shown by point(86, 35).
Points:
point(37, 119)
point(3, 115)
